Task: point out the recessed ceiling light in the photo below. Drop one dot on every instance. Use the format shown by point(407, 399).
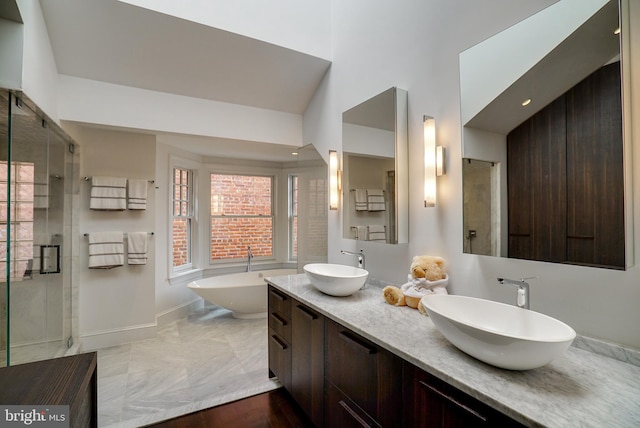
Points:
point(294, 153)
point(526, 102)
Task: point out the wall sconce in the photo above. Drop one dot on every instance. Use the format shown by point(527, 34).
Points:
point(334, 180)
point(429, 125)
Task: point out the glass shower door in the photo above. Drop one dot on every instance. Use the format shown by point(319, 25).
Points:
point(32, 220)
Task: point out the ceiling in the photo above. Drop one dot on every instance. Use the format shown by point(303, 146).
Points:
point(377, 112)
point(114, 42)
point(590, 47)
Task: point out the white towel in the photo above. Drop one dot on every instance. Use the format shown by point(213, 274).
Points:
point(377, 232)
point(137, 248)
point(375, 200)
point(108, 193)
point(106, 250)
point(41, 195)
point(137, 194)
point(361, 200)
point(360, 232)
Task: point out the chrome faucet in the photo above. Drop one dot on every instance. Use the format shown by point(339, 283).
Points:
point(249, 257)
point(523, 290)
point(359, 255)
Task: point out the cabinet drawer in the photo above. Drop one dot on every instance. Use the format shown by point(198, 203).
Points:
point(280, 358)
point(369, 375)
point(431, 402)
point(342, 412)
point(279, 302)
point(280, 324)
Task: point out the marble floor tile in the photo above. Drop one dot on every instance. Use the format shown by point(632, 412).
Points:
point(202, 360)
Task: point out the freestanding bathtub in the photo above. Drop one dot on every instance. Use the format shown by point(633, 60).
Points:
point(244, 294)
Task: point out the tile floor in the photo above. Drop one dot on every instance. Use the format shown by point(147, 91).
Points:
point(206, 359)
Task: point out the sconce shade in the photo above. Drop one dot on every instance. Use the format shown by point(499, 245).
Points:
point(429, 124)
point(333, 180)
point(440, 169)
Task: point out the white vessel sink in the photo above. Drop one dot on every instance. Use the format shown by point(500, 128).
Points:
point(502, 335)
point(336, 280)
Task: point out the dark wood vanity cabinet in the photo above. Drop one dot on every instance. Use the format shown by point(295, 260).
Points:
point(363, 380)
point(340, 379)
point(296, 352)
point(280, 336)
point(430, 402)
point(307, 361)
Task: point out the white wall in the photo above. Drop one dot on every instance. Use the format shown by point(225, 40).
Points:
point(11, 39)
point(142, 109)
point(39, 71)
point(415, 45)
point(116, 305)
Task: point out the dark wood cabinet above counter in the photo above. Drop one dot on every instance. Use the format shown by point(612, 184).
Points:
point(565, 180)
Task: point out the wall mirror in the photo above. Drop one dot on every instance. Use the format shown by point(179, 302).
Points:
point(375, 179)
point(544, 140)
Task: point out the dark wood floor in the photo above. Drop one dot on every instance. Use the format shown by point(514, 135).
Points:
point(272, 409)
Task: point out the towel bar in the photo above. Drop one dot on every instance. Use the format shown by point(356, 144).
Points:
point(89, 178)
point(125, 233)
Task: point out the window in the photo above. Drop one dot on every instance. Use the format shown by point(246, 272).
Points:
point(183, 218)
point(241, 216)
point(293, 217)
point(16, 230)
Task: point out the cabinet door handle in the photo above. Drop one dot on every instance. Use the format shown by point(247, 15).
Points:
point(279, 319)
point(453, 400)
point(277, 295)
point(353, 414)
point(356, 343)
point(278, 342)
point(311, 315)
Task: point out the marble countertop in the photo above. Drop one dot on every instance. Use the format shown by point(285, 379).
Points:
point(580, 388)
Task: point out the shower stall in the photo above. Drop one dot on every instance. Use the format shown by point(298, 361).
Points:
point(38, 187)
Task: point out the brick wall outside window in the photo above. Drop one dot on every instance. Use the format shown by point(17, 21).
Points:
point(180, 242)
point(241, 216)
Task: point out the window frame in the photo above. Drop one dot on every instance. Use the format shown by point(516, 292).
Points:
point(292, 216)
point(192, 216)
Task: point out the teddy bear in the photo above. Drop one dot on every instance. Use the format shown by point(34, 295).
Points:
point(427, 276)
point(431, 268)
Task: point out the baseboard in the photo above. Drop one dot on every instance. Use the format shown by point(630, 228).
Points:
point(104, 339)
point(178, 312)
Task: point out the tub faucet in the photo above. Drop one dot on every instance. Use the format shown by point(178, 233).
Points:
point(523, 290)
point(249, 257)
point(359, 255)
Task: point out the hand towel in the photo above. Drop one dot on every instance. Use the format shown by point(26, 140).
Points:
point(361, 200)
point(360, 232)
point(137, 248)
point(106, 250)
point(375, 200)
point(108, 193)
point(41, 195)
point(377, 232)
point(137, 194)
